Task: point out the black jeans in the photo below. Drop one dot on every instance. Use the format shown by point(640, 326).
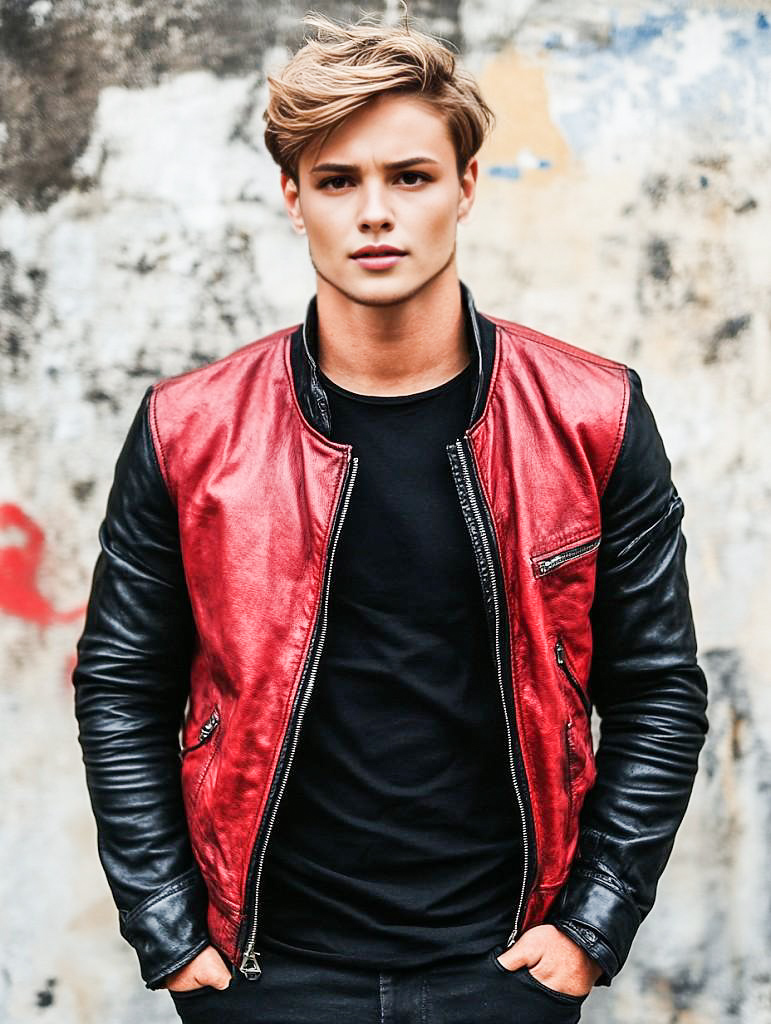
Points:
point(473, 990)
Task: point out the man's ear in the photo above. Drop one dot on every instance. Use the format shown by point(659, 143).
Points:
point(291, 192)
point(468, 189)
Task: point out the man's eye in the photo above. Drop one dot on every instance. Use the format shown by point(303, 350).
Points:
point(328, 181)
point(340, 181)
point(415, 174)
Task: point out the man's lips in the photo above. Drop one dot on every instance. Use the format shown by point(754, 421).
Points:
point(378, 259)
point(377, 251)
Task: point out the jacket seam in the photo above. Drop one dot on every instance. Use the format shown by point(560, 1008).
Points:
point(607, 881)
point(674, 506)
point(494, 372)
point(155, 435)
point(618, 442)
point(527, 333)
point(185, 881)
point(308, 427)
point(524, 333)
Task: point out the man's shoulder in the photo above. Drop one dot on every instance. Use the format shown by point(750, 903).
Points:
point(538, 345)
point(241, 363)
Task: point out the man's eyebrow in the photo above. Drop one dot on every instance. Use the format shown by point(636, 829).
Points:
point(395, 165)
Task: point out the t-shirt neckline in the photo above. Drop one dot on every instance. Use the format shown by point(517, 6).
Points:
point(416, 396)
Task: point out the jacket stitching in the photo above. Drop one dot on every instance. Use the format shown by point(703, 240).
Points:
point(618, 441)
point(185, 881)
point(309, 428)
point(607, 881)
point(523, 333)
point(519, 331)
point(155, 434)
point(494, 373)
point(674, 509)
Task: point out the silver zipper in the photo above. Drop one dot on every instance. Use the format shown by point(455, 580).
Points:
point(562, 661)
point(499, 668)
point(204, 733)
point(250, 967)
point(544, 565)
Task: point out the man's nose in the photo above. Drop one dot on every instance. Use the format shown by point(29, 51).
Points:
point(375, 212)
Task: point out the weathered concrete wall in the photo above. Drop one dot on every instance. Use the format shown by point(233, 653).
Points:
point(623, 205)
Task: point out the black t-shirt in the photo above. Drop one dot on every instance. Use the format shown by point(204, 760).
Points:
point(396, 840)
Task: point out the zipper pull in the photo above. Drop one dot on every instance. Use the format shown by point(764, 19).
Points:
point(560, 652)
point(209, 725)
point(250, 967)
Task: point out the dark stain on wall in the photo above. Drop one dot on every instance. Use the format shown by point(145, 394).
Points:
point(723, 339)
point(98, 396)
point(45, 996)
point(53, 68)
point(20, 302)
point(82, 490)
point(656, 188)
point(748, 205)
point(659, 261)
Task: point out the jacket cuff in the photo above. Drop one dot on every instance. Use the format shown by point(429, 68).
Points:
point(168, 928)
point(599, 917)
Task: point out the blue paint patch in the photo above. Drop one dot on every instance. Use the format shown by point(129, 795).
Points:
point(640, 61)
point(515, 171)
point(553, 42)
point(505, 171)
point(637, 37)
point(703, 181)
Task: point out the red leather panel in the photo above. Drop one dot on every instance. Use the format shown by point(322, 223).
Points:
point(256, 488)
point(545, 446)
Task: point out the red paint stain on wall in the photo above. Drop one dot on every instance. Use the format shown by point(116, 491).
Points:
point(21, 551)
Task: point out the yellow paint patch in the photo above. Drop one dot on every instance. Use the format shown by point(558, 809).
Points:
point(516, 90)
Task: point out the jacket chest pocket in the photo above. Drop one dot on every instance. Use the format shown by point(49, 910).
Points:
point(546, 562)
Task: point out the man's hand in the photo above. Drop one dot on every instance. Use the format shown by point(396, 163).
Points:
point(559, 962)
point(208, 968)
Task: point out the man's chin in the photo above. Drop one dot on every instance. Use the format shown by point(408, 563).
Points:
point(380, 291)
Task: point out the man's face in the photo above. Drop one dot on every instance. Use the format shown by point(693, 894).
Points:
point(349, 198)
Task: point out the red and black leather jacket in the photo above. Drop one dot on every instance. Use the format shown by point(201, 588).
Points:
point(208, 613)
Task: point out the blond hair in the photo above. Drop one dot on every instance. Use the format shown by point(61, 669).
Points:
point(347, 65)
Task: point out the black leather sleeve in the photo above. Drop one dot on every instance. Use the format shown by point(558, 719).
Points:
point(651, 697)
point(131, 683)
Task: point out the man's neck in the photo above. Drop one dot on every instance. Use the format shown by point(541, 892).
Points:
point(393, 350)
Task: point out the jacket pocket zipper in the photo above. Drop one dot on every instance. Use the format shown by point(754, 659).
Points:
point(549, 563)
point(569, 769)
point(562, 662)
point(205, 733)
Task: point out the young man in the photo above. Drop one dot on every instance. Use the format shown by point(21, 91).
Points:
point(392, 556)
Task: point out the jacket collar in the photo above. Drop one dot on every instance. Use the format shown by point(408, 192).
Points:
point(480, 335)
